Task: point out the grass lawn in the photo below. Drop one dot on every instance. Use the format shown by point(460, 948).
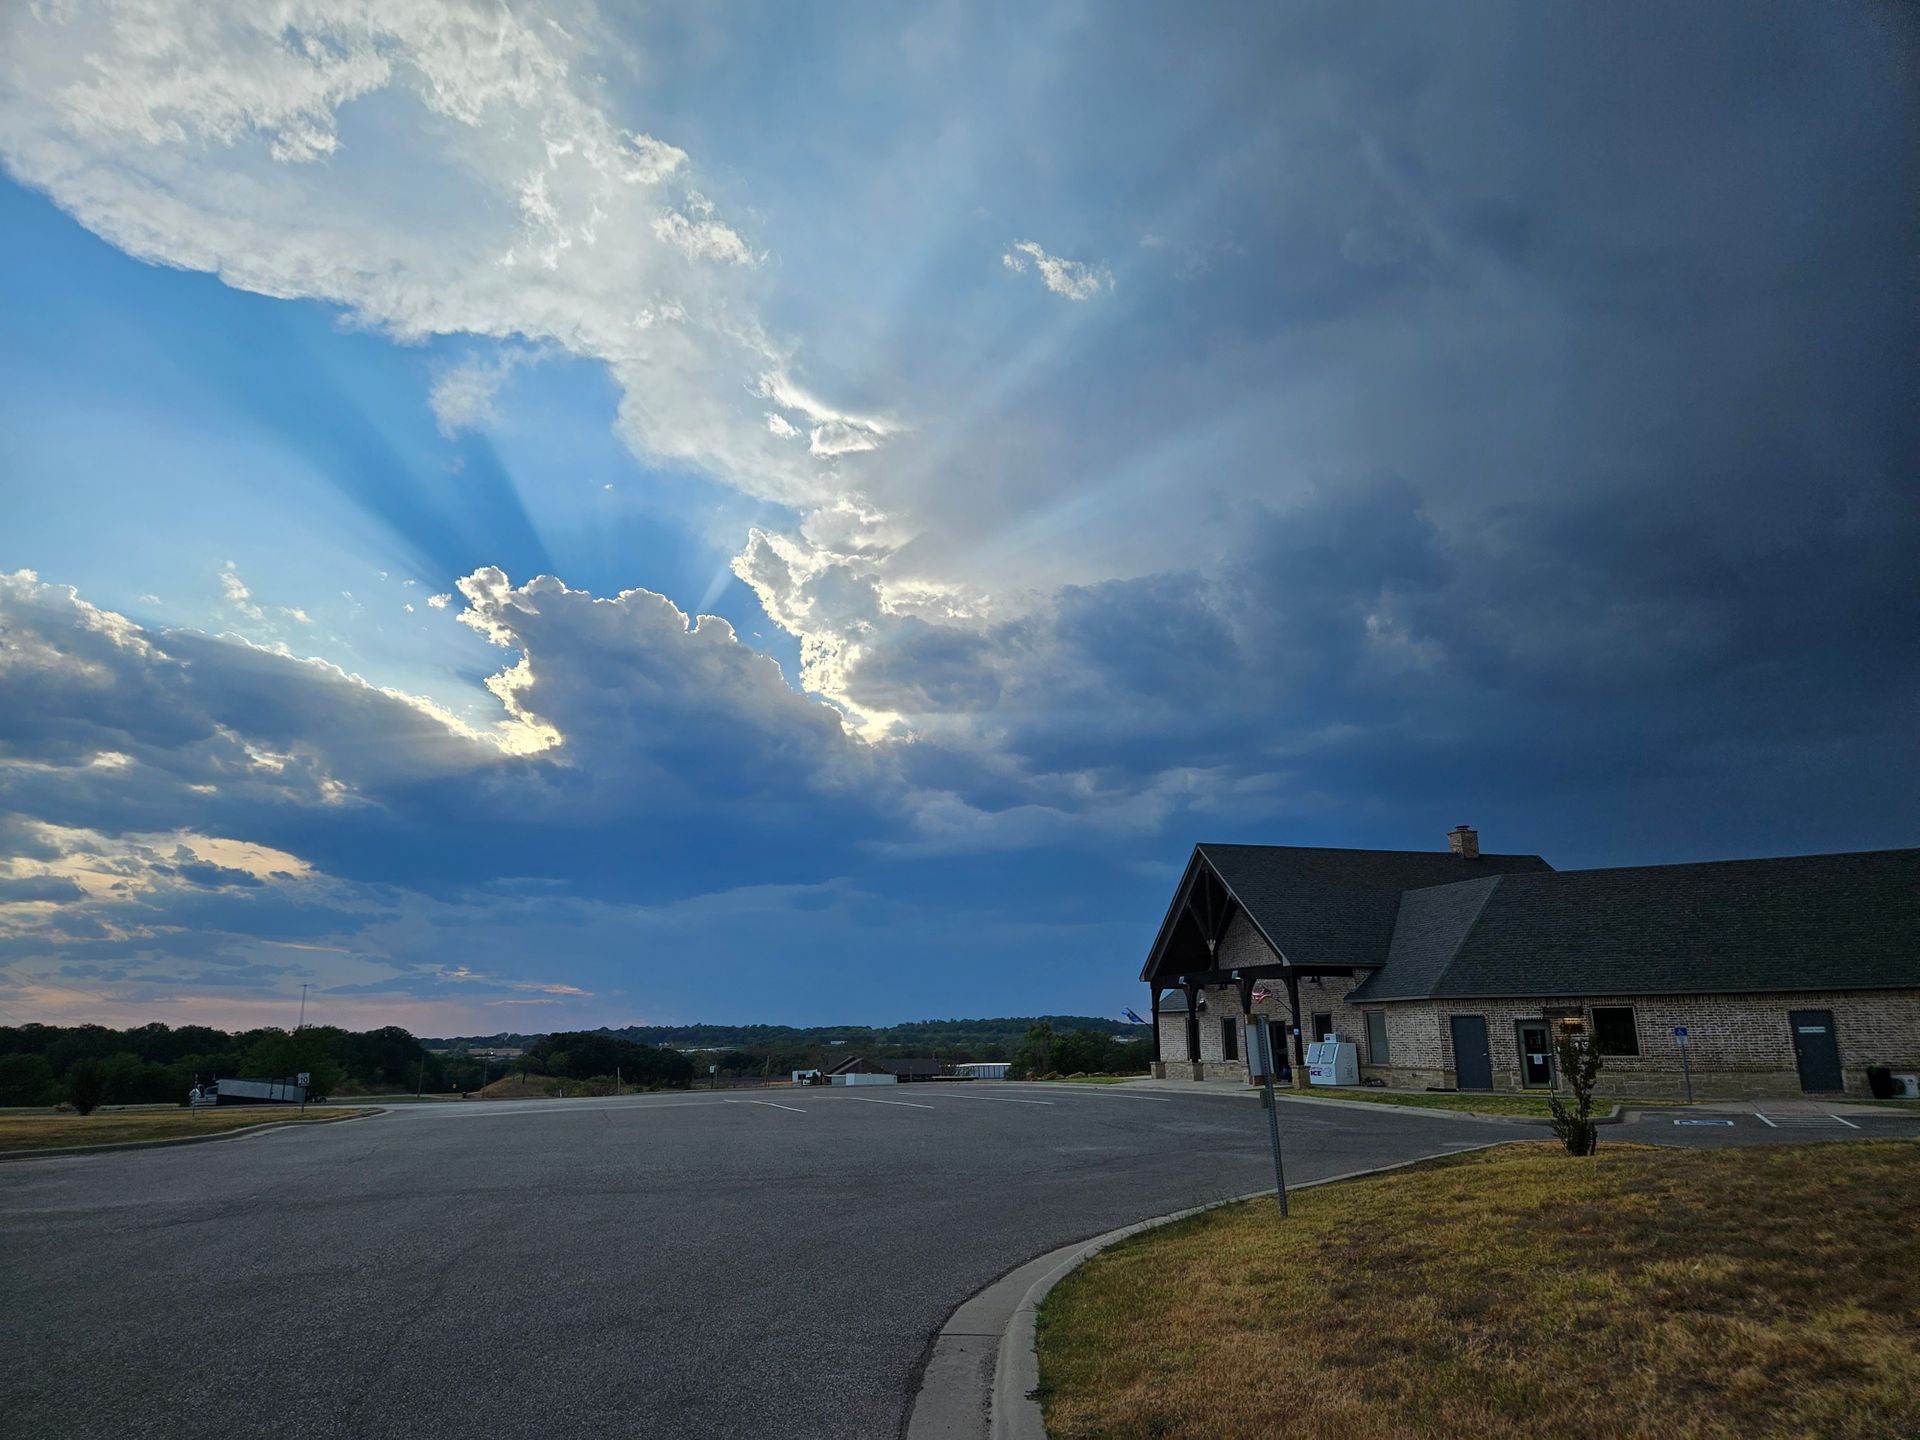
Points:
point(113, 1127)
point(1474, 1104)
point(1095, 1079)
point(1513, 1294)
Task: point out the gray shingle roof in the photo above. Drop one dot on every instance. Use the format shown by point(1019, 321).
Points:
point(1804, 922)
point(1338, 907)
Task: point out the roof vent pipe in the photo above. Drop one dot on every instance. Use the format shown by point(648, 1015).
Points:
point(1464, 840)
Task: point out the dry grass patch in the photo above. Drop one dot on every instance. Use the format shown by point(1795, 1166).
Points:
point(1766, 1291)
point(1095, 1079)
point(115, 1127)
point(1474, 1104)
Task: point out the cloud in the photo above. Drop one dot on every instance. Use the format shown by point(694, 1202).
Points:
point(634, 694)
point(701, 237)
point(1069, 278)
point(505, 200)
point(440, 602)
point(110, 718)
point(462, 394)
point(38, 889)
point(238, 596)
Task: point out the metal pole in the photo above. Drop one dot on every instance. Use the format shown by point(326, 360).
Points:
point(1686, 1071)
point(1273, 1118)
point(303, 1010)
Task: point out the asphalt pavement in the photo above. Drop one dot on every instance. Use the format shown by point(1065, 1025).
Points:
point(766, 1264)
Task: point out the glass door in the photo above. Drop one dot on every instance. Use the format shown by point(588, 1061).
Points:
point(1536, 1054)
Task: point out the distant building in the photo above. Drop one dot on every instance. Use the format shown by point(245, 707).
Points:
point(983, 1069)
point(1455, 970)
point(901, 1070)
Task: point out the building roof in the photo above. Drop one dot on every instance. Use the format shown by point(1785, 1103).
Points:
point(904, 1068)
point(861, 1065)
point(855, 1065)
point(1324, 908)
point(1803, 922)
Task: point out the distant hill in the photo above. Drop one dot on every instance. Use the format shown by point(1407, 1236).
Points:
point(920, 1036)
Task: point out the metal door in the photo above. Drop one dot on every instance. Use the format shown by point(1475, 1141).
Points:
point(1815, 1049)
point(1536, 1054)
point(1472, 1061)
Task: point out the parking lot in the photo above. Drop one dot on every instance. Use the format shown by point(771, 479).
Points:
point(770, 1263)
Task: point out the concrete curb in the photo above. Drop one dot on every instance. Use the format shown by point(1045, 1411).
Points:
point(982, 1371)
point(1612, 1118)
point(1252, 1092)
point(67, 1151)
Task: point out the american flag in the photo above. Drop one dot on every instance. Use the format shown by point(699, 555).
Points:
point(1261, 996)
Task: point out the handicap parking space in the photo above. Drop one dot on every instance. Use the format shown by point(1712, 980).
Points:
point(1762, 1126)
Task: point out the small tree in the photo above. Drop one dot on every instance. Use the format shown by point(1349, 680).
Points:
point(1035, 1053)
point(1580, 1066)
point(87, 1084)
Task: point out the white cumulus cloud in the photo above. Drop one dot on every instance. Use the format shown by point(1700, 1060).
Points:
point(501, 197)
point(1070, 278)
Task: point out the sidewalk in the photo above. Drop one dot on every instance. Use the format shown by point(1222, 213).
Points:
point(1194, 1087)
point(1776, 1106)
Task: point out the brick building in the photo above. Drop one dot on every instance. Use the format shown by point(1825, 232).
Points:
point(1454, 970)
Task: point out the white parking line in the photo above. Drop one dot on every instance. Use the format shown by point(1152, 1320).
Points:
point(1818, 1120)
point(998, 1099)
point(771, 1105)
point(1763, 1119)
point(869, 1100)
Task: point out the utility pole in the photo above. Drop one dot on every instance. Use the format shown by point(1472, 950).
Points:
point(421, 1089)
point(303, 1011)
point(1273, 1116)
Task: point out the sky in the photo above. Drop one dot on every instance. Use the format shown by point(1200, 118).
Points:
point(516, 517)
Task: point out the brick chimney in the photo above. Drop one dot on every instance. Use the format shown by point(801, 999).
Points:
point(1464, 841)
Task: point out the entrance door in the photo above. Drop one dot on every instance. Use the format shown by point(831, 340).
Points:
point(1536, 1054)
point(1472, 1061)
point(1816, 1049)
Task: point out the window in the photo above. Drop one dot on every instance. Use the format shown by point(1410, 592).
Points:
point(1614, 1032)
point(1229, 1041)
point(1377, 1038)
point(1322, 1024)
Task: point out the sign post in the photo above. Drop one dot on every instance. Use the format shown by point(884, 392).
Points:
point(1260, 1056)
point(1686, 1070)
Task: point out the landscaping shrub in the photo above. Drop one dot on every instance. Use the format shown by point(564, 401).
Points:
point(1580, 1066)
point(87, 1084)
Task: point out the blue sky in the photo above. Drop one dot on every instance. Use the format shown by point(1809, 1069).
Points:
point(525, 516)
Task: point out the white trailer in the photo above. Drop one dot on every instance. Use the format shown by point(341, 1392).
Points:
point(255, 1092)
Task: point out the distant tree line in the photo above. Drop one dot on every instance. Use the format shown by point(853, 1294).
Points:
point(1044, 1051)
point(600, 1059)
point(159, 1064)
point(772, 1050)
